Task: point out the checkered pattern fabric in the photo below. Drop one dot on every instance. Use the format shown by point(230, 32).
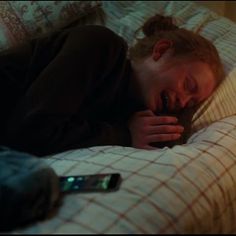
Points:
point(185, 189)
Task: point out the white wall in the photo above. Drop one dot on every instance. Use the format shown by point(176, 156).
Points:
point(217, 6)
point(224, 8)
point(230, 10)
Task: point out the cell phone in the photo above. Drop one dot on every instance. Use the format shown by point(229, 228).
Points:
point(90, 183)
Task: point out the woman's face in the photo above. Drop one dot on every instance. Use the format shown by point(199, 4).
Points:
point(183, 85)
point(180, 82)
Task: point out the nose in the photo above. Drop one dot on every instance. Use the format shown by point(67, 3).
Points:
point(183, 100)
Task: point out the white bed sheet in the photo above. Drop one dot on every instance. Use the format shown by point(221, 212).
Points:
point(186, 189)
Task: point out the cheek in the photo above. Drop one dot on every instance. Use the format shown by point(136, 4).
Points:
point(175, 80)
point(170, 82)
point(152, 84)
point(149, 90)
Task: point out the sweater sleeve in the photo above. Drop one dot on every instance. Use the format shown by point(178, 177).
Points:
point(49, 119)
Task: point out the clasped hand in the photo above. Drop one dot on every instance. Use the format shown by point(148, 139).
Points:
point(146, 128)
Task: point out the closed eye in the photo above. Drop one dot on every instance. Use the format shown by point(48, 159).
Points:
point(190, 85)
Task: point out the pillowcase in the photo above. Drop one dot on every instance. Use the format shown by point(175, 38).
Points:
point(124, 18)
point(20, 20)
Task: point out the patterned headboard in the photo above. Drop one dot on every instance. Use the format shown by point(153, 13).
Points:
point(21, 20)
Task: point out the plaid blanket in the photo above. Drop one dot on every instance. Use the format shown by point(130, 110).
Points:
point(185, 189)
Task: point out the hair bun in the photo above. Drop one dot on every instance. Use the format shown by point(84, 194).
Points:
point(158, 23)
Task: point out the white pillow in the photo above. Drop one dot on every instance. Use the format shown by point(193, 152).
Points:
point(186, 189)
point(125, 17)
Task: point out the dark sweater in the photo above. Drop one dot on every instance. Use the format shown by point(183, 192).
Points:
point(73, 90)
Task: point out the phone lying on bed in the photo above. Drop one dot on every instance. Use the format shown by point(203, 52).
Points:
point(90, 183)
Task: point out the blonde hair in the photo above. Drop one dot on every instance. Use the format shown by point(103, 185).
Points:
point(185, 44)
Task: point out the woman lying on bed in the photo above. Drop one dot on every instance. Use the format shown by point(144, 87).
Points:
point(81, 87)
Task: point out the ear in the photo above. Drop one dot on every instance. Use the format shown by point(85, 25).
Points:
point(160, 48)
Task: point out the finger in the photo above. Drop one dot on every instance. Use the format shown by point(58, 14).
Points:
point(162, 137)
point(161, 120)
point(165, 129)
point(149, 147)
point(145, 113)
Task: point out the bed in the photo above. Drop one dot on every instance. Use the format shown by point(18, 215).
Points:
point(188, 188)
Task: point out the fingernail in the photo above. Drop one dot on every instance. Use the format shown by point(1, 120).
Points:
point(178, 135)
